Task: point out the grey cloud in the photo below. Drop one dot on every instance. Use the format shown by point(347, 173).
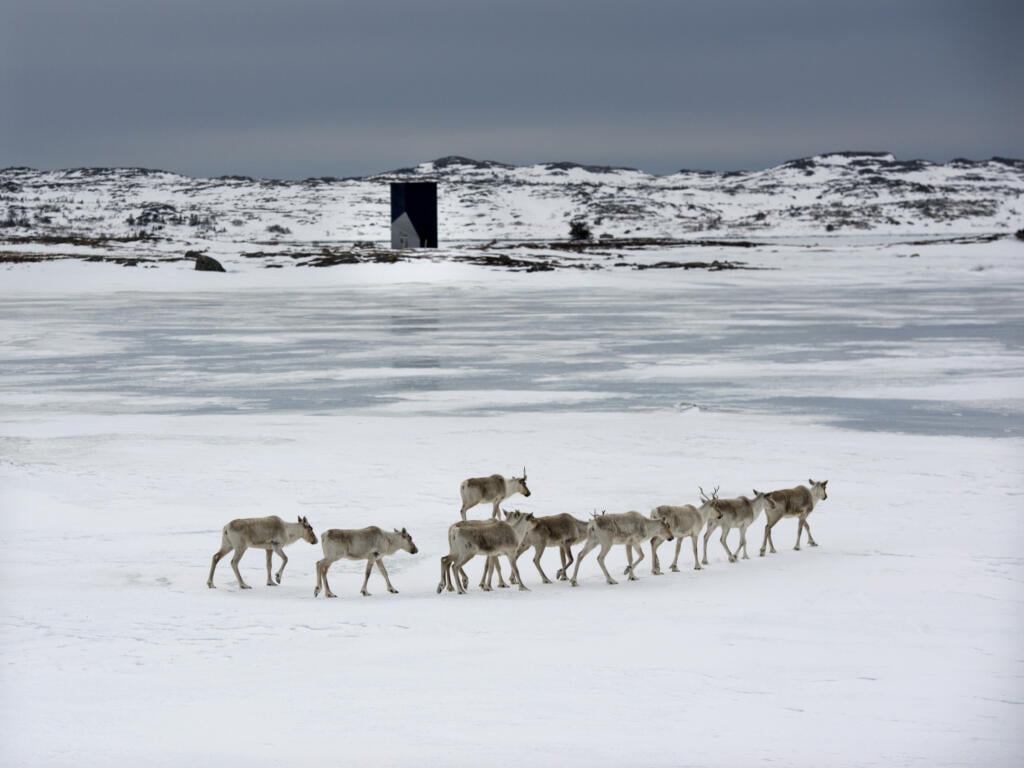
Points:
point(313, 88)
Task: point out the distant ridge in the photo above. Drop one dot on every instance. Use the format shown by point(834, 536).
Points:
point(832, 193)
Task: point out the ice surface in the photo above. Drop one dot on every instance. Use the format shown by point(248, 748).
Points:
point(141, 410)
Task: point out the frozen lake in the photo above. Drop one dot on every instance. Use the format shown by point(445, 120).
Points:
point(897, 357)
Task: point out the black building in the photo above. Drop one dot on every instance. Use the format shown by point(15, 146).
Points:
point(414, 214)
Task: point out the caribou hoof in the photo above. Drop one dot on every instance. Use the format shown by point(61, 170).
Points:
point(210, 585)
point(612, 581)
point(364, 593)
point(392, 590)
point(573, 583)
point(316, 591)
point(329, 594)
point(523, 589)
point(797, 548)
point(697, 567)
point(244, 586)
point(675, 569)
point(814, 544)
point(271, 584)
point(278, 577)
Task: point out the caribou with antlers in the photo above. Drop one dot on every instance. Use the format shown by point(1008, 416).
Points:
point(732, 513)
point(495, 489)
point(683, 521)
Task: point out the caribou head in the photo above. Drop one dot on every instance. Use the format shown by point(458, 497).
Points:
point(307, 530)
point(408, 544)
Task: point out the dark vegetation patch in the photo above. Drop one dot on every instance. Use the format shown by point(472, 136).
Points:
point(79, 240)
point(582, 246)
point(710, 266)
point(14, 257)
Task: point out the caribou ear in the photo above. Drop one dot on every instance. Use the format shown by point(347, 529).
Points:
point(524, 471)
point(809, 480)
point(824, 483)
point(403, 529)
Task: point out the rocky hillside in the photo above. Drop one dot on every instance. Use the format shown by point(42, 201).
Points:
point(842, 193)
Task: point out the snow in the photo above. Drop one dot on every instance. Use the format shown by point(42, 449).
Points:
point(144, 408)
point(858, 193)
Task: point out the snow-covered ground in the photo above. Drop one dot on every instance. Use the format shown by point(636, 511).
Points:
point(142, 409)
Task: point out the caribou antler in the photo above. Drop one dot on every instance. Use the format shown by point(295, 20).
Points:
point(704, 496)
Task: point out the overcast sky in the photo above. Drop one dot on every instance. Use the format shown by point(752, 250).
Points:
point(303, 88)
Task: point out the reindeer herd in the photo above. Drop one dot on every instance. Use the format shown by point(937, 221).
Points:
point(518, 531)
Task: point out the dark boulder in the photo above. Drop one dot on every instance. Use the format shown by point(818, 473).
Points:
point(205, 263)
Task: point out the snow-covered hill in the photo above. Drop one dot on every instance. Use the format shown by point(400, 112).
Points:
point(842, 193)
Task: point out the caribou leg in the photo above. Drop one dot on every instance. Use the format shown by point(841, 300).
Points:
point(743, 543)
point(284, 561)
point(655, 564)
point(515, 572)
point(538, 551)
point(445, 581)
point(810, 539)
point(696, 562)
point(366, 576)
point(605, 548)
point(270, 581)
point(769, 524)
point(384, 573)
point(565, 555)
point(321, 574)
point(490, 563)
point(707, 535)
point(591, 543)
point(456, 566)
point(679, 546)
point(225, 547)
point(239, 551)
point(725, 533)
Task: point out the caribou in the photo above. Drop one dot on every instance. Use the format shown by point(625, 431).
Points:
point(562, 531)
point(792, 502)
point(629, 528)
point(370, 544)
point(495, 489)
point(270, 533)
point(492, 539)
point(683, 521)
point(732, 513)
